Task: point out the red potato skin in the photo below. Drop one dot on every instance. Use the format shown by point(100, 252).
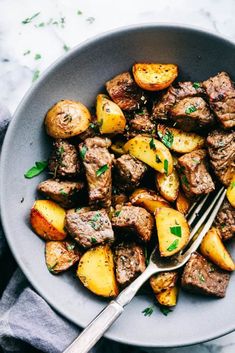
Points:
point(43, 228)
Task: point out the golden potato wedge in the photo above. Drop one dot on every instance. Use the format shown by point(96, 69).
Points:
point(67, 119)
point(168, 297)
point(231, 192)
point(96, 271)
point(151, 152)
point(172, 230)
point(163, 280)
point(154, 76)
point(117, 147)
point(48, 220)
point(148, 199)
point(110, 117)
point(182, 203)
point(168, 185)
point(178, 140)
point(61, 255)
point(213, 248)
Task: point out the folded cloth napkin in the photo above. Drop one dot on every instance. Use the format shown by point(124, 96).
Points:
point(27, 322)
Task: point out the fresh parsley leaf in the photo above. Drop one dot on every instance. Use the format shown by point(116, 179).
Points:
point(35, 75)
point(66, 47)
point(36, 170)
point(190, 109)
point(117, 213)
point(95, 217)
point(146, 256)
point(27, 52)
point(185, 181)
point(62, 192)
point(37, 56)
point(29, 19)
point(83, 152)
point(201, 277)
point(152, 144)
point(173, 245)
point(176, 230)
point(196, 85)
point(167, 138)
point(166, 166)
point(165, 310)
point(158, 160)
point(102, 170)
point(148, 311)
point(79, 12)
point(93, 240)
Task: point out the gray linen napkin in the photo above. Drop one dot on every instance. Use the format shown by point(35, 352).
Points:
point(27, 322)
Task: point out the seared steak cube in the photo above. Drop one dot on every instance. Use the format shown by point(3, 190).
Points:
point(221, 92)
point(66, 193)
point(129, 171)
point(130, 262)
point(98, 165)
point(119, 199)
point(125, 93)
point(221, 148)
point(225, 220)
point(174, 95)
point(141, 124)
point(191, 113)
point(63, 162)
point(135, 219)
point(201, 276)
point(194, 176)
point(89, 228)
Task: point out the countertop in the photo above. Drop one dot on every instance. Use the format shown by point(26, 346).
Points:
point(35, 33)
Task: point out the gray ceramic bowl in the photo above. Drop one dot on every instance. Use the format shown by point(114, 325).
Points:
point(80, 75)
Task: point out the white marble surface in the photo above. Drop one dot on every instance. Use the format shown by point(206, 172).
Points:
point(27, 49)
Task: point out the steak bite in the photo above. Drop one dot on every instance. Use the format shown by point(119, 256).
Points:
point(64, 162)
point(119, 199)
point(221, 148)
point(130, 262)
point(225, 220)
point(98, 165)
point(125, 93)
point(89, 228)
point(135, 219)
point(194, 176)
point(129, 171)
point(221, 92)
point(66, 193)
point(201, 276)
point(191, 113)
point(174, 95)
point(141, 124)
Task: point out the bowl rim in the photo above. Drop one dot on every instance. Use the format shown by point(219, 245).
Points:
point(3, 158)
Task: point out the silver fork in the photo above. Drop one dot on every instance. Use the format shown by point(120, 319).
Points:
point(99, 325)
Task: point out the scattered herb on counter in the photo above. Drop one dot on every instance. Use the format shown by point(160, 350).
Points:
point(176, 230)
point(196, 85)
point(148, 311)
point(90, 20)
point(152, 144)
point(35, 75)
point(27, 52)
point(37, 56)
point(29, 19)
point(190, 109)
point(166, 166)
point(66, 47)
point(173, 245)
point(165, 311)
point(79, 12)
point(102, 170)
point(41, 24)
point(167, 138)
point(83, 152)
point(36, 170)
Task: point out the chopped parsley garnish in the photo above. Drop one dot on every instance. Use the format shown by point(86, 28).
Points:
point(165, 310)
point(176, 230)
point(102, 170)
point(232, 185)
point(27, 52)
point(201, 277)
point(93, 240)
point(66, 47)
point(152, 144)
point(167, 138)
point(70, 246)
point(50, 268)
point(29, 19)
point(35, 75)
point(146, 256)
point(148, 311)
point(94, 126)
point(196, 85)
point(117, 213)
point(95, 217)
point(173, 245)
point(83, 152)
point(190, 109)
point(36, 170)
point(42, 24)
point(79, 12)
point(158, 160)
point(62, 192)
point(185, 181)
point(166, 166)
point(37, 56)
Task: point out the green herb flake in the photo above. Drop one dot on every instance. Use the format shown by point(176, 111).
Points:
point(79, 12)
point(148, 311)
point(66, 47)
point(167, 138)
point(201, 278)
point(176, 230)
point(96, 217)
point(36, 170)
point(29, 19)
point(165, 311)
point(70, 247)
point(37, 56)
point(83, 152)
point(158, 160)
point(232, 185)
point(185, 181)
point(35, 75)
point(152, 144)
point(102, 170)
point(173, 245)
point(166, 166)
point(42, 24)
point(117, 213)
point(50, 268)
point(196, 85)
point(93, 240)
point(190, 109)
point(27, 52)
point(62, 192)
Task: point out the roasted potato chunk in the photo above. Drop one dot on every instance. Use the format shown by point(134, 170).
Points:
point(154, 77)
point(96, 271)
point(163, 280)
point(168, 185)
point(148, 199)
point(48, 220)
point(231, 192)
point(172, 229)
point(168, 297)
point(61, 255)
point(151, 152)
point(110, 117)
point(67, 119)
point(182, 203)
point(178, 140)
point(213, 248)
